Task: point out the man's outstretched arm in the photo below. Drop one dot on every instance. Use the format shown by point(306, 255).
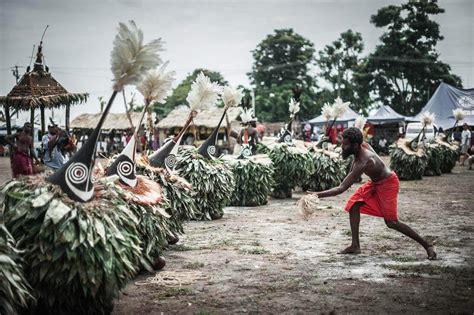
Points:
point(351, 178)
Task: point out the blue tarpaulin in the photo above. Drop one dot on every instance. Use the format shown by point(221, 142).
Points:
point(385, 114)
point(446, 99)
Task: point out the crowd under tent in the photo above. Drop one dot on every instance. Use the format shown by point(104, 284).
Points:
point(386, 123)
point(345, 121)
point(202, 126)
point(446, 99)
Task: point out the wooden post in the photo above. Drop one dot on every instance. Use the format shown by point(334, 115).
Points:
point(32, 121)
point(7, 119)
point(43, 129)
point(67, 116)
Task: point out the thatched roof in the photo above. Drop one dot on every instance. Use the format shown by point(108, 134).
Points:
point(38, 88)
point(208, 118)
point(113, 121)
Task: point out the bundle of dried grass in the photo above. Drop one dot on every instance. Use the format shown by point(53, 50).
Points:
point(307, 205)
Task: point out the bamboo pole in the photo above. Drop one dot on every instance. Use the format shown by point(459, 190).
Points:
point(68, 113)
point(43, 130)
point(32, 121)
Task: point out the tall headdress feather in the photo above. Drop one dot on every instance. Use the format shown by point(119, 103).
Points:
point(130, 58)
point(155, 86)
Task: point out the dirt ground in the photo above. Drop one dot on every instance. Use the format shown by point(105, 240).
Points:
point(270, 260)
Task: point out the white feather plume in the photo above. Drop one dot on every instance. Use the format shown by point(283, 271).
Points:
point(327, 111)
point(339, 108)
point(130, 58)
point(427, 118)
point(156, 85)
point(231, 97)
point(294, 107)
point(204, 93)
point(246, 115)
point(360, 122)
point(458, 114)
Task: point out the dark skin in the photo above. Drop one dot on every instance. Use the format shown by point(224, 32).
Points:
point(368, 162)
point(24, 142)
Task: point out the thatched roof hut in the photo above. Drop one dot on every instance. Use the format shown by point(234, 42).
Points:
point(38, 89)
point(208, 118)
point(113, 121)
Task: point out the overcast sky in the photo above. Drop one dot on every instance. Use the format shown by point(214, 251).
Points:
point(218, 35)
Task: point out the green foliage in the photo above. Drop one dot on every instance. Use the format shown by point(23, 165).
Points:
point(178, 97)
point(180, 203)
point(282, 61)
point(262, 148)
point(329, 172)
point(253, 180)
point(213, 183)
point(78, 255)
point(407, 167)
point(340, 66)
point(450, 156)
point(293, 166)
point(434, 154)
point(15, 292)
point(405, 70)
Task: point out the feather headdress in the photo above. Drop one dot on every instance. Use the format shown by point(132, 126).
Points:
point(360, 122)
point(327, 111)
point(231, 97)
point(204, 93)
point(458, 114)
point(246, 115)
point(294, 107)
point(130, 58)
point(339, 108)
point(156, 85)
point(427, 118)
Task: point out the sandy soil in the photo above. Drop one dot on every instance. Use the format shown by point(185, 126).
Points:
point(270, 260)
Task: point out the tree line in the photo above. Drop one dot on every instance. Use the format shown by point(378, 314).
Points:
point(403, 70)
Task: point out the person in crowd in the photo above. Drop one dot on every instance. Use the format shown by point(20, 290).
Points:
point(23, 152)
point(383, 145)
point(53, 156)
point(465, 143)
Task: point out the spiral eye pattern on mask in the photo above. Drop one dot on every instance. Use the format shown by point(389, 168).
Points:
point(246, 152)
point(125, 168)
point(76, 173)
point(287, 138)
point(211, 150)
point(170, 161)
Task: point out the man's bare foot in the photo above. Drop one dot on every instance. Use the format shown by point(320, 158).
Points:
point(354, 250)
point(431, 252)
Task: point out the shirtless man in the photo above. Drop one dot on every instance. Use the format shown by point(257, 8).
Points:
point(377, 197)
point(23, 151)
